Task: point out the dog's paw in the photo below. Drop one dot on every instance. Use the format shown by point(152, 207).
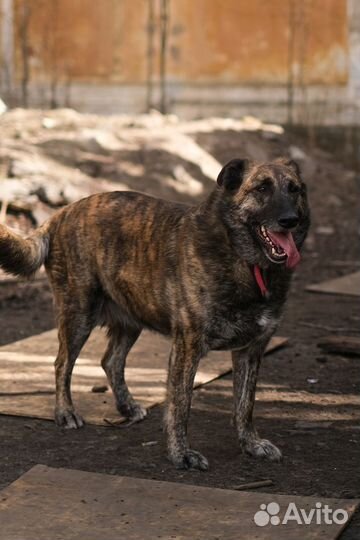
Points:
point(133, 412)
point(190, 459)
point(262, 448)
point(68, 419)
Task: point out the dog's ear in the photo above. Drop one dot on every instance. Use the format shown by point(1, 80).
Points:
point(232, 174)
point(294, 166)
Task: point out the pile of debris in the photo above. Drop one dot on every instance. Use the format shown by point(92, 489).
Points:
point(49, 159)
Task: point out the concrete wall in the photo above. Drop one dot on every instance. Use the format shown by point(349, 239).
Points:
point(280, 59)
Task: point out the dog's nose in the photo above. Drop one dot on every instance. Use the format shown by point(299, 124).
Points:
point(288, 221)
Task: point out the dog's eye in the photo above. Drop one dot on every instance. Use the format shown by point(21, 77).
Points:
point(264, 186)
point(293, 188)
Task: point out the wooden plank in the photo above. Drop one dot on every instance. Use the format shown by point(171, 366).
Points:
point(341, 345)
point(349, 285)
point(47, 503)
point(27, 375)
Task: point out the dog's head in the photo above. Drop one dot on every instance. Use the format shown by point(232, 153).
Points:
point(265, 208)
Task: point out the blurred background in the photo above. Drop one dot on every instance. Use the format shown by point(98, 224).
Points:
point(285, 60)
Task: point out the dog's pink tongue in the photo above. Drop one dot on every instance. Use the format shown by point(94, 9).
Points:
point(286, 241)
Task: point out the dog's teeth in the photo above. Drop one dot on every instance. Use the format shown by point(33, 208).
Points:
point(273, 251)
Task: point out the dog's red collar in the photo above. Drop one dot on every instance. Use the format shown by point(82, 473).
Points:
point(260, 280)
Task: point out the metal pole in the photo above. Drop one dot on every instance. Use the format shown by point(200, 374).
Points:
point(164, 18)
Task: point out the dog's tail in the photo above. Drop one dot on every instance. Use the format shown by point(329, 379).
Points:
point(23, 256)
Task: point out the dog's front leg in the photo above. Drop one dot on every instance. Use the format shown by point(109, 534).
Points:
point(183, 362)
point(245, 372)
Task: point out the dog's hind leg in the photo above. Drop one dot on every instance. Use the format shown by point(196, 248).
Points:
point(114, 360)
point(245, 372)
point(73, 330)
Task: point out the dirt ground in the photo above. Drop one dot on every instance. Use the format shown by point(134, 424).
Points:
point(321, 459)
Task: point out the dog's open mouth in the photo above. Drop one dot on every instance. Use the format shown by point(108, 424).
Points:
point(279, 247)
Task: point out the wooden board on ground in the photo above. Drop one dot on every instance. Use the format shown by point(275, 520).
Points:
point(349, 284)
point(66, 504)
point(27, 375)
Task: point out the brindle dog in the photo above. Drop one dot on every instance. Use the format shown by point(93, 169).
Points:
point(213, 276)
